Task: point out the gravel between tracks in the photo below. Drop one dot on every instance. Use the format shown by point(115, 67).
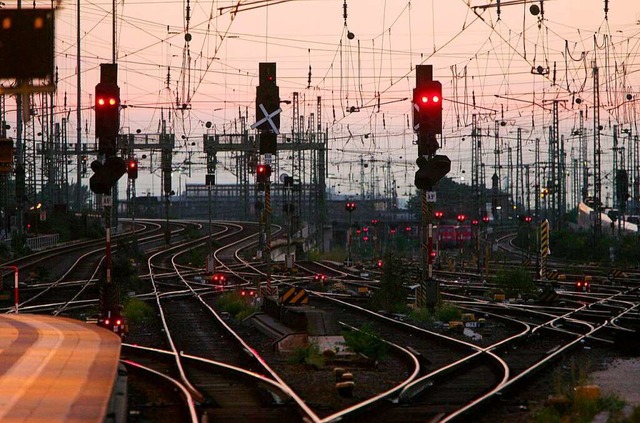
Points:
point(317, 387)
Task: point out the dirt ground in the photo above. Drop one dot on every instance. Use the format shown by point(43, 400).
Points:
point(621, 378)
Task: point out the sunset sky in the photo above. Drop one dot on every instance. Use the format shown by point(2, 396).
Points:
point(485, 62)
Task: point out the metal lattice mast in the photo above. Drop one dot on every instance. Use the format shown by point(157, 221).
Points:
point(552, 183)
point(636, 172)
point(475, 164)
point(519, 176)
point(562, 180)
point(616, 150)
point(510, 177)
point(537, 178)
point(295, 130)
point(583, 154)
point(597, 181)
point(496, 152)
point(30, 157)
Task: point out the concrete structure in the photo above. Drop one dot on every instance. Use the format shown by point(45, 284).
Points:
point(57, 369)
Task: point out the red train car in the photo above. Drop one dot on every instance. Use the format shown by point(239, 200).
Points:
point(451, 236)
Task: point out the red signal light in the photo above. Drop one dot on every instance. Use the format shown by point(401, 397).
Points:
point(102, 101)
point(379, 263)
point(263, 172)
point(132, 169)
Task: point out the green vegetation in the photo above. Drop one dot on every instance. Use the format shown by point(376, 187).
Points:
point(137, 311)
point(309, 355)
point(514, 282)
point(580, 246)
point(190, 232)
point(196, 257)
point(569, 406)
point(236, 305)
point(336, 254)
point(366, 342)
point(392, 295)
point(71, 227)
point(123, 266)
point(444, 312)
point(5, 252)
point(19, 244)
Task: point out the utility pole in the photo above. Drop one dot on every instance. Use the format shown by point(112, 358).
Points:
point(78, 199)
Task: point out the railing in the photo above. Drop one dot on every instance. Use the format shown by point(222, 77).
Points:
point(43, 242)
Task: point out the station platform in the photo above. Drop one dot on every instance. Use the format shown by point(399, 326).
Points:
point(55, 369)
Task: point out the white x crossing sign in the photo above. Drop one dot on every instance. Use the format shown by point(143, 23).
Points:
point(267, 118)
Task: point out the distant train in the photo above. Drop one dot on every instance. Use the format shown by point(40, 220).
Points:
point(451, 236)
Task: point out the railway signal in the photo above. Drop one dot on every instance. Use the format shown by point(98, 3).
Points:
point(267, 102)
point(116, 324)
point(26, 43)
point(107, 108)
point(438, 214)
point(350, 206)
point(427, 100)
point(219, 279)
point(132, 169)
point(263, 173)
point(431, 170)
point(107, 174)
point(427, 110)
point(526, 218)
point(6, 155)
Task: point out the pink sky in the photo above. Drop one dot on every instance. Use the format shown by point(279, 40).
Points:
point(472, 57)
